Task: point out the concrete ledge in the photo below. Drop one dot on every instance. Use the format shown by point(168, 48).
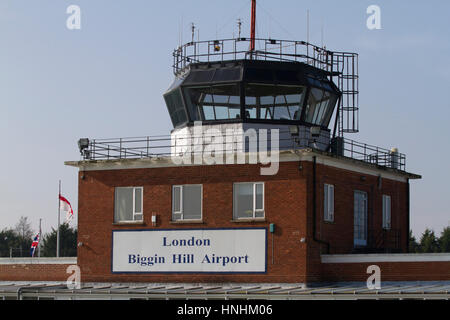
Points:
point(369, 258)
point(21, 261)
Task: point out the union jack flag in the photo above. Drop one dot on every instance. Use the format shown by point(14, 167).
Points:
point(34, 244)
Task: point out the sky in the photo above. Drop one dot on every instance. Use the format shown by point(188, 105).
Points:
point(106, 80)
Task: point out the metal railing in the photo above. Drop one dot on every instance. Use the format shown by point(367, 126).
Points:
point(267, 50)
point(166, 146)
point(373, 154)
point(342, 67)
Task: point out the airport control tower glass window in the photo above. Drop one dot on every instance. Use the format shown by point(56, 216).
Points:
point(274, 102)
point(175, 106)
point(320, 106)
point(221, 102)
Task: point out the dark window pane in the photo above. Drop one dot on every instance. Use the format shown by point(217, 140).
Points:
point(259, 75)
point(123, 204)
point(175, 107)
point(199, 76)
point(320, 107)
point(192, 202)
point(274, 102)
point(213, 103)
point(243, 200)
point(259, 196)
point(138, 200)
point(229, 74)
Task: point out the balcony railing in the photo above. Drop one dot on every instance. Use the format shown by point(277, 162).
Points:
point(166, 146)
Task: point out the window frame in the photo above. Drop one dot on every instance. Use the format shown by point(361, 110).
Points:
point(326, 203)
point(181, 204)
point(254, 209)
point(363, 197)
point(134, 213)
point(387, 212)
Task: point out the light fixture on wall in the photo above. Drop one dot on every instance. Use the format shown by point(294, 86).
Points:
point(83, 145)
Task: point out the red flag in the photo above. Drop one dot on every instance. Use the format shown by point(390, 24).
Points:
point(66, 206)
point(34, 244)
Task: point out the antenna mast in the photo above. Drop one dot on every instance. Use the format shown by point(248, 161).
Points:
point(193, 31)
point(253, 33)
point(239, 23)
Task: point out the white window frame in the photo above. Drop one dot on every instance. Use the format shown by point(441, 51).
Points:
point(328, 203)
point(181, 186)
point(134, 204)
point(387, 212)
point(255, 210)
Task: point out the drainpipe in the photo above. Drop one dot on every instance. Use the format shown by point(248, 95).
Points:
point(408, 214)
point(315, 206)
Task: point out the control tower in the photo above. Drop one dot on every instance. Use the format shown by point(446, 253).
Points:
point(251, 83)
point(328, 198)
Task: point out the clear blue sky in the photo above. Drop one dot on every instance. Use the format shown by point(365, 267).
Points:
point(107, 80)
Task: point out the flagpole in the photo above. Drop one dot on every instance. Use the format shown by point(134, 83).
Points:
point(59, 211)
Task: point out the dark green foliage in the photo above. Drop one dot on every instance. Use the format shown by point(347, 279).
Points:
point(67, 242)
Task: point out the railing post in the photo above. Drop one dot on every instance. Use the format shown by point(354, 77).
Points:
point(93, 151)
point(352, 149)
point(120, 148)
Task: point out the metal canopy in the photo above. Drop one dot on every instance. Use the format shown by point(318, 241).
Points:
point(334, 291)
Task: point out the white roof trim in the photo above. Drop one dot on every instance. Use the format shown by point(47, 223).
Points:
point(22, 261)
point(370, 258)
point(284, 156)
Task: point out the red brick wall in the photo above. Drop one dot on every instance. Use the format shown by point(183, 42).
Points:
point(285, 206)
point(390, 271)
point(339, 234)
point(33, 272)
point(288, 204)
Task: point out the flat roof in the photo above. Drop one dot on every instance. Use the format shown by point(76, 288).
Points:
point(324, 158)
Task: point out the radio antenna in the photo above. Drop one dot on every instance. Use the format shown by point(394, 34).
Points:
point(193, 31)
point(239, 23)
point(253, 27)
point(307, 26)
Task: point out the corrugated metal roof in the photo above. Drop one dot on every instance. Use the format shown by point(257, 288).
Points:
point(344, 291)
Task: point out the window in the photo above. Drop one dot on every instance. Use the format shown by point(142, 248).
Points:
point(328, 205)
point(271, 102)
point(320, 107)
point(128, 204)
point(187, 202)
point(175, 106)
point(360, 219)
point(386, 212)
point(214, 103)
point(248, 200)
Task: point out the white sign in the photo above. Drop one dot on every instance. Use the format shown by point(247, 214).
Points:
point(190, 250)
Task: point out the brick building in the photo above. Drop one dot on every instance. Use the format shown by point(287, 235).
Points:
point(256, 182)
point(294, 205)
